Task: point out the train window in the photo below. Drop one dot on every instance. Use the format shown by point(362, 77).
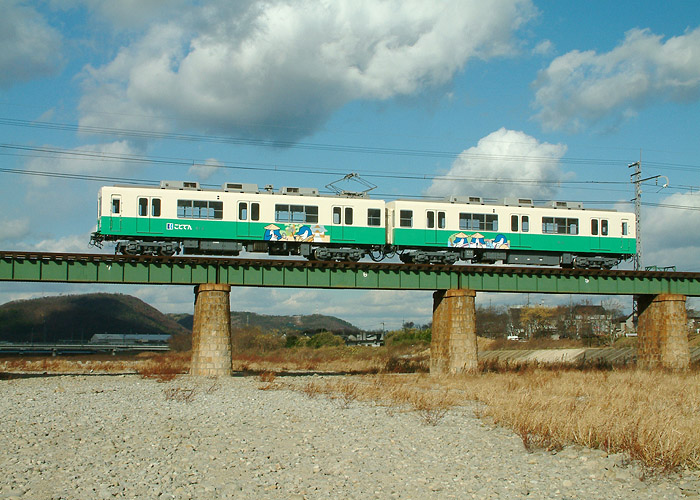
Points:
point(242, 210)
point(406, 218)
point(348, 216)
point(255, 211)
point(297, 213)
point(482, 222)
point(336, 215)
point(594, 227)
point(625, 230)
point(514, 223)
point(525, 224)
point(430, 224)
point(290, 213)
point(559, 225)
point(116, 205)
point(604, 227)
point(143, 207)
point(441, 220)
point(374, 217)
point(282, 213)
point(199, 209)
point(311, 214)
point(155, 207)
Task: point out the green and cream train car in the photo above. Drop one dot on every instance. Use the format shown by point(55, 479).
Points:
point(513, 232)
point(182, 216)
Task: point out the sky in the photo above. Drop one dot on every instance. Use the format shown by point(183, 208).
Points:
point(543, 99)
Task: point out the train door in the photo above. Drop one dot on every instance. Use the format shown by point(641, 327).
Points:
point(343, 220)
point(248, 211)
point(115, 221)
point(435, 220)
point(148, 209)
point(600, 232)
point(519, 228)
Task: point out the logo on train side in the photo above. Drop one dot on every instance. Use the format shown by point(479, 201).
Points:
point(170, 226)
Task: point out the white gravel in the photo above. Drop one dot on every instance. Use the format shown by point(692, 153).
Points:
point(100, 437)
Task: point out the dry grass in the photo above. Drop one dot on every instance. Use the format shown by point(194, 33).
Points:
point(148, 365)
point(165, 367)
point(653, 417)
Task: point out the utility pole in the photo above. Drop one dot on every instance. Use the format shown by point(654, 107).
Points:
point(637, 181)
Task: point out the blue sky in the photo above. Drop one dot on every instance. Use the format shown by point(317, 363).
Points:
point(561, 94)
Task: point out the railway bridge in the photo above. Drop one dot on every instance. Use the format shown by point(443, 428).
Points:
point(662, 331)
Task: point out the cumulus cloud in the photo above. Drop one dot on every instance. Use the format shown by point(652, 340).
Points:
point(584, 88)
point(505, 163)
point(205, 170)
point(666, 238)
point(13, 229)
point(106, 159)
point(30, 47)
point(279, 69)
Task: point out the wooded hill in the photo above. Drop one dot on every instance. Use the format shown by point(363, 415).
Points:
point(312, 323)
point(79, 317)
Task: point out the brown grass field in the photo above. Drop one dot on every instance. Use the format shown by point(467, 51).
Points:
point(653, 416)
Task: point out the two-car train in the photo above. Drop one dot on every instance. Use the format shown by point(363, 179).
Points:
point(183, 217)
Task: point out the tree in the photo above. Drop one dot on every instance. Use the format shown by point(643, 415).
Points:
point(537, 320)
point(491, 322)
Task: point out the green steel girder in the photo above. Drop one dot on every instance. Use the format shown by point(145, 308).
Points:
point(102, 268)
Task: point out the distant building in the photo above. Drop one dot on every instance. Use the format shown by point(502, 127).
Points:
point(129, 338)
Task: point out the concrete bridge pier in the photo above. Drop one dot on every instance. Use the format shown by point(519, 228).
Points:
point(211, 331)
point(453, 347)
point(662, 332)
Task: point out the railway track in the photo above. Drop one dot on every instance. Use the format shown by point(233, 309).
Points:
point(311, 264)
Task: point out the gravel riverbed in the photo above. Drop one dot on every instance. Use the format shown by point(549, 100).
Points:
point(121, 436)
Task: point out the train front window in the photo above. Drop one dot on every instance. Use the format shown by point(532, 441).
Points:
point(625, 229)
point(143, 207)
point(116, 206)
point(406, 218)
point(155, 207)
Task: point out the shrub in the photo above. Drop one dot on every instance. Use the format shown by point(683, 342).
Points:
point(324, 339)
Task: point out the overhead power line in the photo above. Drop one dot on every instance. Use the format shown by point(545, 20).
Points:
point(243, 141)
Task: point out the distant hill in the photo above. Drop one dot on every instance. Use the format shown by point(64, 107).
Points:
point(78, 317)
point(311, 323)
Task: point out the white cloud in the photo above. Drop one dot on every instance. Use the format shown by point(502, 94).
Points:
point(106, 159)
point(583, 88)
point(544, 48)
point(30, 47)
point(279, 69)
point(666, 236)
point(13, 229)
point(512, 163)
point(205, 170)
